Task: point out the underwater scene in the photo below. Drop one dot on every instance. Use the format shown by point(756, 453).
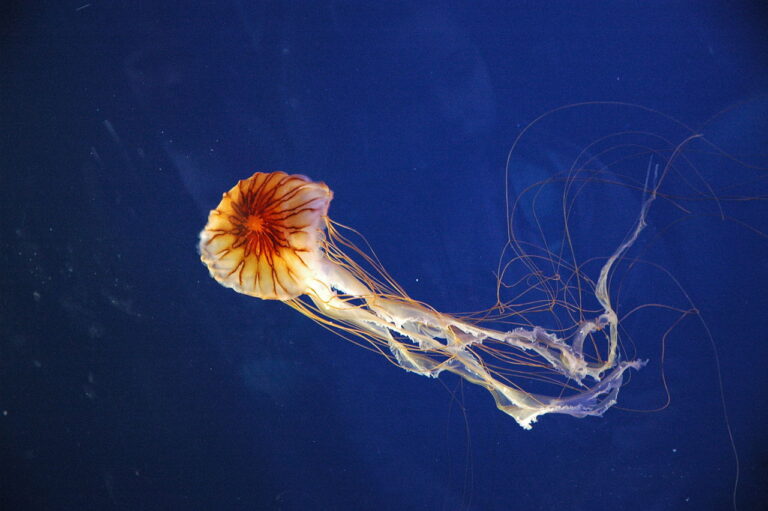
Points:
point(356, 255)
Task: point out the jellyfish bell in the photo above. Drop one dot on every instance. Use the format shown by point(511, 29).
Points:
point(263, 239)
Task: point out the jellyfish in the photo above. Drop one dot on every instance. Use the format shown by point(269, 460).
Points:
point(270, 237)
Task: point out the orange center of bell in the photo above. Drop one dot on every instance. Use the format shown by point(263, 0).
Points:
point(255, 223)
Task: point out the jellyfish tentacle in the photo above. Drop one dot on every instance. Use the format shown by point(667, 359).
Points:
point(425, 328)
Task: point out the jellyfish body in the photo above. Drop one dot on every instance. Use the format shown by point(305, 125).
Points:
point(262, 239)
point(270, 237)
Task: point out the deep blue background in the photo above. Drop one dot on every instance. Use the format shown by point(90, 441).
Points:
point(130, 380)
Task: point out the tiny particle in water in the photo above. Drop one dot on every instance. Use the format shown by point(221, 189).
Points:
point(89, 392)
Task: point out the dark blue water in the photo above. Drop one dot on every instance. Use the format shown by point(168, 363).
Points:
point(130, 380)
